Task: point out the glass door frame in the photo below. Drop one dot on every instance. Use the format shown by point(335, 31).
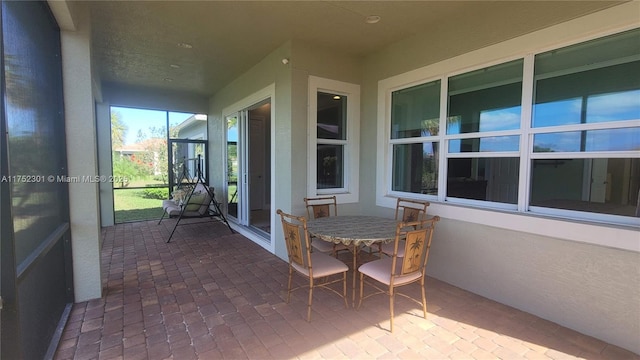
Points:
point(242, 196)
point(242, 187)
point(266, 94)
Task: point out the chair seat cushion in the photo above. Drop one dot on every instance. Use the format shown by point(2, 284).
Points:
point(388, 249)
point(322, 246)
point(327, 247)
point(322, 265)
point(380, 270)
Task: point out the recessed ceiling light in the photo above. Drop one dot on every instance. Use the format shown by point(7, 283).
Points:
point(174, 66)
point(185, 45)
point(372, 19)
point(168, 79)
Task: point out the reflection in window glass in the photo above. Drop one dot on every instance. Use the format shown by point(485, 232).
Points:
point(332, 116)
point(592, 140)
point(330, 166)
point(486, 100)
point(604, 185)
point(578, 84)
point(415, 168)
point(561, 112)
point(500, 119)
point(486, 144)
point(490, 179)
point(624, 105)
point(416, 111)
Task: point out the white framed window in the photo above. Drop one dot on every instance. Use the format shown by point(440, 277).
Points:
point(585, 129)
point(555, 133)
point(414, 139)
point(483, 129)
point(333, 138)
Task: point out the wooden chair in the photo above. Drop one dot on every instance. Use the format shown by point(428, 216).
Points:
point(312, 266)
point(407, 210)
point(395, 271)
point(318, 207)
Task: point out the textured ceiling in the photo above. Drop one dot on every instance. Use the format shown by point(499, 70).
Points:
point(136, 42)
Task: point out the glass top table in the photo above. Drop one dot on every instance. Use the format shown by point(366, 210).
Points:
point(353, 231)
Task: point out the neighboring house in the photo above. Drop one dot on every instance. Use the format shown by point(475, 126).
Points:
point(505, 139)
point(194, 127)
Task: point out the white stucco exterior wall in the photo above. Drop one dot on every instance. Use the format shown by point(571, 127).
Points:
point(84, 208)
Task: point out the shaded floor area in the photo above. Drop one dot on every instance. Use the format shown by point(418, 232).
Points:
point(210, 294)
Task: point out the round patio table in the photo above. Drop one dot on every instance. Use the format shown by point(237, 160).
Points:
point(353, 231)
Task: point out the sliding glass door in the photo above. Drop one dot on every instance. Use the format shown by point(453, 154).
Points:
point(249, 167)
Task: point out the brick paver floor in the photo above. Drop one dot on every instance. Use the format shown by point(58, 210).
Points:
point(210, 294)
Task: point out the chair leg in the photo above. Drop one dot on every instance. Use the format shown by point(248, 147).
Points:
point(361, 289)
point(289, 286)
point(424, 299)
point(310, 299)
point(344, 289)
point(391, 296)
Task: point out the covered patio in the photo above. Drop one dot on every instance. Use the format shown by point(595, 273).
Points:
point(210, 294)
point(516, 120)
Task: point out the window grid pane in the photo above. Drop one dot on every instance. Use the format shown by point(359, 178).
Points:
point(485, 144)
point(332, 116)
point(330, 166)
point(416, 111)
point(486, 100)
point(415, 168)
point(587, 141)
point(599, 185)
point(489, 179)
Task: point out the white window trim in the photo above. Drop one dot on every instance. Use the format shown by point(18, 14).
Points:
point(581, 230)
point(350, 192)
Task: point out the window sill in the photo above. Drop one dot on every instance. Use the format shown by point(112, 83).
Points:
point(617, 236)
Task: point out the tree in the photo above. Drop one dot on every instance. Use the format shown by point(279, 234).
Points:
point(118, 130)
point(124, 170)
point(141, 136)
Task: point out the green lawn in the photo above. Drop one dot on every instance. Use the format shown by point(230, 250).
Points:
point(131, 206)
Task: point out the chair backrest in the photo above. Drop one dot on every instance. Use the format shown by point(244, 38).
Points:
point(417, 243)
point(321, 206)
point(411, 210)
point(296, 237)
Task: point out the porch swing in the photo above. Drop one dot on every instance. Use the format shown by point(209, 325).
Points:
point(192, 199)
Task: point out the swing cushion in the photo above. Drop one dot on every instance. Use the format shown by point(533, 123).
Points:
point(197, 206)
point(196, 201)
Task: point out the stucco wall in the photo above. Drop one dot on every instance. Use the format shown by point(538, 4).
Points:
point(593, 289)
point(82, 158)
point(312, 60)
point(289, 123)
point(589, 288)
point(240, 94)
